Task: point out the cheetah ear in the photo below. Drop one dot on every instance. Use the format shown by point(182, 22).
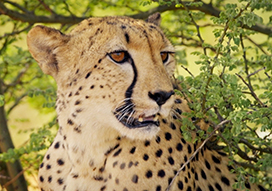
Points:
point(155, 19)
point(42, 43)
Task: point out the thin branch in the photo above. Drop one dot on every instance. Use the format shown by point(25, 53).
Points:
point(252, 93)
point(16, 32)
point(205, 8)
point(195, 153)
point(186, 69)
point(17, 6)
point(17, 79)
point(249, 75)
point(265, 150)
point(47, 7)
point(15, 178)
point(17, 101)
point(247, 165)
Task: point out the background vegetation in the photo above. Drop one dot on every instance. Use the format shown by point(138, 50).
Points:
point(224, 66)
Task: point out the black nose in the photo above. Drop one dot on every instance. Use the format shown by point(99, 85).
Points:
point(160, 97)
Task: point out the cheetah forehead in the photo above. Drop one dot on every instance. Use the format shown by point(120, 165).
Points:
point(132, 30)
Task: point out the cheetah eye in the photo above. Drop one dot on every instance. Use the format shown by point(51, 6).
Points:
point(119, 56)
point(165, 56)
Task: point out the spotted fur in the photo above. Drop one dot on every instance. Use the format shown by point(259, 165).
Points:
point(109, 136)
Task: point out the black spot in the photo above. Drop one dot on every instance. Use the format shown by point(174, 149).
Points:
point(186, 180)
point(70, 122)
point(179, 147)
point(48, 167)
point(180, 185)
point(161, 173)
point(216, 160)
point(92, 87)
point(164, 121)
point(98, 178)
point(50, 179)
point(261, 188)
point(217, 169)
point(225, 180)
point(117, 152)
point(189, 149)
point(189, 188)
point(101, 86)
point(41, 179)
point(247, 185)
point(198, 189)
point(170, 180)
point(183, 140)
point(102, 169)
point(130, 164)
point(221, 153)
point(158, 188)
point(102, 188)
point(196, 176)
point(172, 125)
point(158, 139)
point(60, 162)
point(125, 189)
point(168, 136)
point(170, 150)
point(178, 111)
point(147, 143)
point(70, 94)
point(60, 181)
point(123, 165)
point(41, 165)
point(132, 150)
point(203, 175)
point(218, 187)
point(114, 164)
point(211, 188)
point(77, 102)
point(185, 159)
point(207, 164)
point(75, 176)
point(148, 174)
point(171, 160)
point(178, 101)
point(159, 153)
point(230, 167)
point(88, 75)
point(127, 37)
point(145, 157)
point(135, 179)
point(48, 156)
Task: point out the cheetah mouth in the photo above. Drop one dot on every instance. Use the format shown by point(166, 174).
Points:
point(141, 121)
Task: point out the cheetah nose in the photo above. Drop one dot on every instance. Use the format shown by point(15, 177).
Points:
point(160, 97)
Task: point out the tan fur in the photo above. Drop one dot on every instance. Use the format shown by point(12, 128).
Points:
point(93, 150)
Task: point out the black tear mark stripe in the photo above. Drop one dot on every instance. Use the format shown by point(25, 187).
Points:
point(130, 88)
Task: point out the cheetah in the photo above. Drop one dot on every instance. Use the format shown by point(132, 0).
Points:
point(119, 119)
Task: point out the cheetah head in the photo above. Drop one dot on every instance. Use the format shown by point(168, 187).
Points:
point(112, 73)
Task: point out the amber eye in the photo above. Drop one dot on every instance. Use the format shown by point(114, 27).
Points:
point(119, 56)
point(164, 56)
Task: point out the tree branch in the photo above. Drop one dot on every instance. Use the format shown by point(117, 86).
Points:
point(29, 17)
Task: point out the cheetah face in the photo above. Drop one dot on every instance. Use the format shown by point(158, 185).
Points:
point(112, 73)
